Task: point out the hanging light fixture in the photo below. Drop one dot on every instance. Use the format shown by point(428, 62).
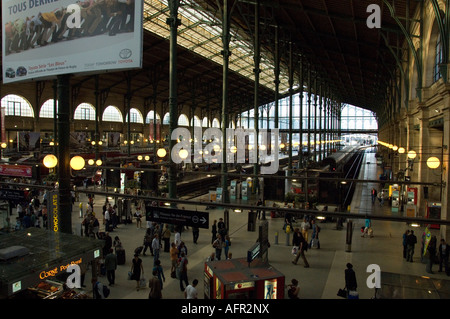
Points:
point(161, 152)
point(433, 162)
point(50, 161)
point(77, 163)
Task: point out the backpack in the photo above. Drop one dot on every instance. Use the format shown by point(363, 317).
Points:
point(106, 290)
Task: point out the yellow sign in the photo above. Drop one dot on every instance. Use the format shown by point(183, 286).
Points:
point(55, 271)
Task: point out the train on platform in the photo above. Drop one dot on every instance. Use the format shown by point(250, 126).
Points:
point(333, 185)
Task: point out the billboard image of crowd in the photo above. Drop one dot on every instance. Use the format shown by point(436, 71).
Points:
point(43, 38)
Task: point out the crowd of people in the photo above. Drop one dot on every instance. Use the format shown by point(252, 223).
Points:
point(97, 17)
point(161, 238)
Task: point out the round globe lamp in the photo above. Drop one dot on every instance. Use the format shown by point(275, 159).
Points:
point(91, 162)
point(412, 154)
point(50, 161)
point(433, 162)
point(401, 150)
point(98, 162)
point(183, 154)
point(77, 163)
point(161, 152)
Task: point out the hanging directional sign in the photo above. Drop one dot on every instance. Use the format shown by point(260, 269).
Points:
point(177, 216)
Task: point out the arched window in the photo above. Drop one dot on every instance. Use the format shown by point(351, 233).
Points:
point(84, 111)
point(46, 110)
point(216, 123)
point(17, 106)
point(205, 122)
point(437, 59)
point(195, 121)
point(112, 114)
point(183, 120)
point(135, 116)
point(150, 116)
point(166, 119)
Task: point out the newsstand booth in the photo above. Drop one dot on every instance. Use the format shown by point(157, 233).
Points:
point(236, 279)
point(34, 262)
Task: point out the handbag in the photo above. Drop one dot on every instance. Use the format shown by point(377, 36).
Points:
point(342, 293)
point(130, 274)
point(142, 283)
point(294, 250)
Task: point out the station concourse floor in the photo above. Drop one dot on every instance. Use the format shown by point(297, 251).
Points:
point(325, 275)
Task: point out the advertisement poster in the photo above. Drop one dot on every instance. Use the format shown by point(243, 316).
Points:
point(113, 139)
point(77, 139)
point(52, 37)
point(29, 141)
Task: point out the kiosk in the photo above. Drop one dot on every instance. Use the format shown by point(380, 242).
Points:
point(43, 260)
point(237, 279)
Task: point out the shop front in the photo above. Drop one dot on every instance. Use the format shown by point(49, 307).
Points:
point(36, 263)
point(237, 279)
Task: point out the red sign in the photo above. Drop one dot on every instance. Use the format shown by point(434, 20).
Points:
point(15, 170)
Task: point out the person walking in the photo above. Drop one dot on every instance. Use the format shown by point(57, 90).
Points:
point(148, 241)
point(173, 259)
point(191, 292)
point(444, 250)
point(111, 266)
point(218, 245)
point(182, 270)
point(227, 245)
point(367, 228)
point(166, 238)
point(155, 287)
point(299, 241)
point(305, 227)
point(156, 245)
point(195, 234)
point(350, 278)
point(159, 272)
point(315, 235)
point(214, 231)
point(411, 241)
point(431, 254)
point(137, 270)
point(405, 246)
point(374, 195)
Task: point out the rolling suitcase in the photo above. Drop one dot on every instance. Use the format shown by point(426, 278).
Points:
point(120, 256)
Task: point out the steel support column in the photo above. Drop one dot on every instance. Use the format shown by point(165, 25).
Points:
point(257, 71)
point(291, 92)
point(65, 197)
point(97, 107)
point(300, 81)
point(226, 53)
point(173, 22)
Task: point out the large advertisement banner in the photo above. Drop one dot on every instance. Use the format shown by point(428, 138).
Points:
point(44, 38)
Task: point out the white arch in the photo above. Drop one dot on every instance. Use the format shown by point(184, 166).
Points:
point(205, 122)
point(16, 105)
point(166, 118)
point(112, 114)
point(215, 123)
point(84, 111)
point(150, 116)
point(195, 121)
point(136, 116)
point(183, 120)
point(46, 110)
